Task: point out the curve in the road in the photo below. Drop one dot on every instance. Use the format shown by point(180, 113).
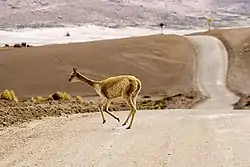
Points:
point(212, 59)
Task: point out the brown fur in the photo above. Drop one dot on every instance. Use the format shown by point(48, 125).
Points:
point(126, 86)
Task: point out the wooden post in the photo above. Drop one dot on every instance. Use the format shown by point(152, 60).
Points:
point(161, 24)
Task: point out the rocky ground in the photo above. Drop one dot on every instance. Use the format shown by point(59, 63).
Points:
point(12, 113)
point(243, 103)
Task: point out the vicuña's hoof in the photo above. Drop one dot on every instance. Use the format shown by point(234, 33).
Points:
point(128, 127)
point(103, 122)
point(118, 119)
point(123, 124)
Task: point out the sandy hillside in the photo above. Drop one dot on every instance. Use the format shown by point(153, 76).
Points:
point(165, 64)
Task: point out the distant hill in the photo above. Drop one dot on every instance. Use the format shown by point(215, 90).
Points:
point(178, 14)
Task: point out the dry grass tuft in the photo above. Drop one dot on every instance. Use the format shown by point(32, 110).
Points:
point(9, 95)
point(33, 100)
point(40, 99)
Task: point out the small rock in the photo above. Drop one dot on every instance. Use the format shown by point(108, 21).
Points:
point(146, 97)
point(17, 45)
point(24, 44)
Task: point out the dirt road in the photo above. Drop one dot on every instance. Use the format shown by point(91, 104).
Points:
point(169, 138)
point(212, 72)
point(173, 138)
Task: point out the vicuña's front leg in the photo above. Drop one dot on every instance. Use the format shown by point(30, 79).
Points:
point(107, 111)
point(101, 109)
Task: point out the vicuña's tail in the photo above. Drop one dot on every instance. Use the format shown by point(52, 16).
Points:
point(138, 87)
point(86, 80)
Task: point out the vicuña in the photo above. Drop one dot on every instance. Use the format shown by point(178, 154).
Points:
point(126, 86)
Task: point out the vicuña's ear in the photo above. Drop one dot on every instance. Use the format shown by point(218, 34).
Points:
point(74, 69)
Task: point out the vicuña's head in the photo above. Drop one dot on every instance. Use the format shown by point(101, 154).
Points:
point(73, 75)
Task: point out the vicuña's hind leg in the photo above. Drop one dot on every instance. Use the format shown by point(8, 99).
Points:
point(108, 101)
point(134, 100)
point(127, 118)
point(134, 103)
point(129, 101)
point(101, 109)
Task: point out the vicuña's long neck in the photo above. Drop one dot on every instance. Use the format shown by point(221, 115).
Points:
point(86, 80)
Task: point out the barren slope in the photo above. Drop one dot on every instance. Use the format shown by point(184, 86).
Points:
point(165, 64)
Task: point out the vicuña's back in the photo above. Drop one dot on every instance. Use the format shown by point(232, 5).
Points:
point(126, 86)
point(118, 86)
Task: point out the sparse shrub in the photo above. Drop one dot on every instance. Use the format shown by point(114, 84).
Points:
point(50, 97)
point(6, 95)
point(40, 99)
point(13, 96)
point(57, 96)
point(143, 103)
point(157, 107)
point(147, 102)
point(79, 99)
point(160, 104)
point(139, 106)
point(168, 98)
point(9, 95)
point(61, 96)
point(66, 96)
point(33, 100)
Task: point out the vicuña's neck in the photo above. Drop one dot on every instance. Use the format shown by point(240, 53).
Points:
point(85, 80)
